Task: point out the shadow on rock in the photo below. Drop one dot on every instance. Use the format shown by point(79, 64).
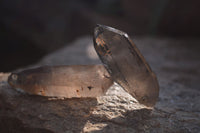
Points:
point(24, 113)
point(130, 121)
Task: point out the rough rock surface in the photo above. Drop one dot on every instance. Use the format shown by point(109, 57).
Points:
point(176, 63)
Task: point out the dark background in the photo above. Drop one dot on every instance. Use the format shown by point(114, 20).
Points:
point(32, 28)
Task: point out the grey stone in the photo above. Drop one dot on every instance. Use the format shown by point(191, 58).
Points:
point(176, 63)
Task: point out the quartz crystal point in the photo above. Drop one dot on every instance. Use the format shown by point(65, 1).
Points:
point(123, 62)
point(126, 64)
point(63, 81)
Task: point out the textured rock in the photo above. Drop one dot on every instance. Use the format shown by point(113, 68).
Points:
point(176, 64)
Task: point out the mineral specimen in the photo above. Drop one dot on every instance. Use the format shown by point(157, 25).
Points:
point(126, 64)
point(123, 62)
point(63, 81)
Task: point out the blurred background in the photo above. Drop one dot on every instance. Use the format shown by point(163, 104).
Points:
point(31, 29)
